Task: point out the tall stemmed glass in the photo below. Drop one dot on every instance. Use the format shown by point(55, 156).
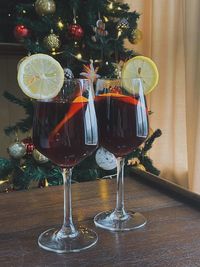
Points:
point(65, 131)
point(123, 126)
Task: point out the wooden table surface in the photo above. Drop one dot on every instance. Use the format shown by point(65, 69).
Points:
point(170, 238)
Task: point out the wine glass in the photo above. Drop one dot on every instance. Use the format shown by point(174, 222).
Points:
point(123, 126)
point(65, 131)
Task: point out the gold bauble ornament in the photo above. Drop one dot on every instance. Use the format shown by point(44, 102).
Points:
point(52, 42)
point(45, 7)
point(140, 167)
point(134, 161)
point(135, 36)
point(40, 158)
point(122, 25)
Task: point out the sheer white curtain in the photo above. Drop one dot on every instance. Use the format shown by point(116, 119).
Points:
point(171, 37)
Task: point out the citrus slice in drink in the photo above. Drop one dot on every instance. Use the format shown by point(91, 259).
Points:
point(80, 99)
point(143, 68)
point(78, 103)
point(120, 97)
point(40, 76)
point(111, 95)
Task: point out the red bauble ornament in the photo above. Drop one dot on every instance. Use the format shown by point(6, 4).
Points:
point(75, 31)
point(20, 32)
point(29, 145)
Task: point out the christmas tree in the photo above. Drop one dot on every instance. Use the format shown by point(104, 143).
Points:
point(76, 33)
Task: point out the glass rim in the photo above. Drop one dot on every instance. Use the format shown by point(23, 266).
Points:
point(118, 79)
point(77, 79)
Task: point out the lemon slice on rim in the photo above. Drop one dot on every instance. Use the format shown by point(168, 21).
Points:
point(143, 68)
point(40, 76)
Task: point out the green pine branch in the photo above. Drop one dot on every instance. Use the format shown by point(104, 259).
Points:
point(141, 153)
point(149, 142)
point(6, 168)
point(24, 125)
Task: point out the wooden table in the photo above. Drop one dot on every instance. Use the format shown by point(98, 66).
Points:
point(170, 238)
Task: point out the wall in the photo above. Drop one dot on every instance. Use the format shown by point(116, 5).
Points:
point(9, 112)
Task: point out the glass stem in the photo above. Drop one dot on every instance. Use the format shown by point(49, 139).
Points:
point(68, 228)
point(119, 211)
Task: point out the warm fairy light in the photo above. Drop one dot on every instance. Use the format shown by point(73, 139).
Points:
point(119, 33)
point(46, 183)
point(79, 56)
point(110, 6)
point(56, 53)
point(3, 181)
point(60, 24)
point(106, 19)
point(119, 8)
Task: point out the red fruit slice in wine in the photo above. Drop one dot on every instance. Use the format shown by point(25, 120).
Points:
point(78, 103)
point(123, 98)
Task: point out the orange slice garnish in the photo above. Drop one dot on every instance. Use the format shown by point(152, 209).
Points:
point(113, 94)
point(123, 98)
point(80, 99)
point(78, 103)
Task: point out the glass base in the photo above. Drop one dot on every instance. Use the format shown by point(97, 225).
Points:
point(50, 240)
point(130, 221)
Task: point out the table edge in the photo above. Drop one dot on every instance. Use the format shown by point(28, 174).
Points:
point(167, 185)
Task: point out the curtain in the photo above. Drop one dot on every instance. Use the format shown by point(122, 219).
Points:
point(171, 37)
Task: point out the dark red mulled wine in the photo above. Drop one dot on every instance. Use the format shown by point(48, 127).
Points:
point(122, 122)
point(59, 132)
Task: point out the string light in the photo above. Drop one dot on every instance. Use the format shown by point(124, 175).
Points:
point(119, 33)
point(24, 11)
point(60, 24)
point(106, 19)
point(57, 53)
point(3, 181)
point(46, 183)
point(110, 5)
point(79, 56)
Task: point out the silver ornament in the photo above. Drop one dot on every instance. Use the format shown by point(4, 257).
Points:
point(39, 157)
point(68, 73)
point(105, 159)
point(123, 24)
point(17, 150)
